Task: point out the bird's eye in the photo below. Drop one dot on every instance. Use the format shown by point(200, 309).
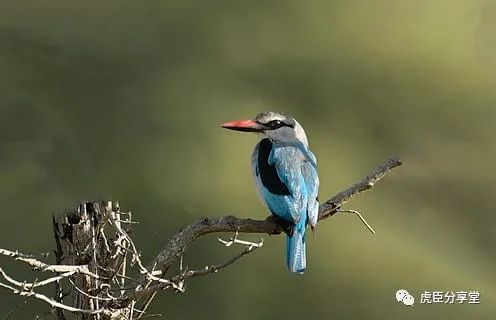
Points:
point(276, 124)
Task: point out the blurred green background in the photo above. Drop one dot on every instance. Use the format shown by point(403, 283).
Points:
point(122, 100)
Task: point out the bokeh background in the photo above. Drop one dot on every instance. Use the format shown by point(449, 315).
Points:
point(122, 100)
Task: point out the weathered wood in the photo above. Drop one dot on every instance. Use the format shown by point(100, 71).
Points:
point(81, 240)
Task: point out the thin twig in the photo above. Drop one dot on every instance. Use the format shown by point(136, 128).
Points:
point(249, 248)
point(87, 294)
point(51, 302)
point(31, 285)
point(359, 215)
point(39, 265)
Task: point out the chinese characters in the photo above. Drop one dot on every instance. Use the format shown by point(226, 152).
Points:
point(450, 297)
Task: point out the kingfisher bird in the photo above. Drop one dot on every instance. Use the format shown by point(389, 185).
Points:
point(285, 172)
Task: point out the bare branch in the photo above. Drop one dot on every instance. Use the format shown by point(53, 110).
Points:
point(39, 265)
point(22, 290)
point(177, 245)
point(359, 215)
point(31, 285)
point(249, 248)
point(177, 282)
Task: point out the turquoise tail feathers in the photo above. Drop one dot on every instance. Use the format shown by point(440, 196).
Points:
point(296, 248)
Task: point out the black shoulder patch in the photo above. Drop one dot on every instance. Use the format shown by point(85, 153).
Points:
point(268, 173)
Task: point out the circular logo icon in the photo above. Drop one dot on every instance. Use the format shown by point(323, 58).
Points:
point(403, 296)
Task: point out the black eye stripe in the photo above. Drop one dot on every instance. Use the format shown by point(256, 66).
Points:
point(275, 124)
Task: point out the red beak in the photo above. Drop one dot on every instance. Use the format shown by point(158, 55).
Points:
point(243, 125)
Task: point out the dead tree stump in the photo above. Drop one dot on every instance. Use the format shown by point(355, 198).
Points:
point(90, 236)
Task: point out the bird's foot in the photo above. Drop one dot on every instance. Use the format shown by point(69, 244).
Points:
point(286, 226)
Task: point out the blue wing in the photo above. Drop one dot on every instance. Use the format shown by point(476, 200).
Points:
point(287, 160)
point(311, 177)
